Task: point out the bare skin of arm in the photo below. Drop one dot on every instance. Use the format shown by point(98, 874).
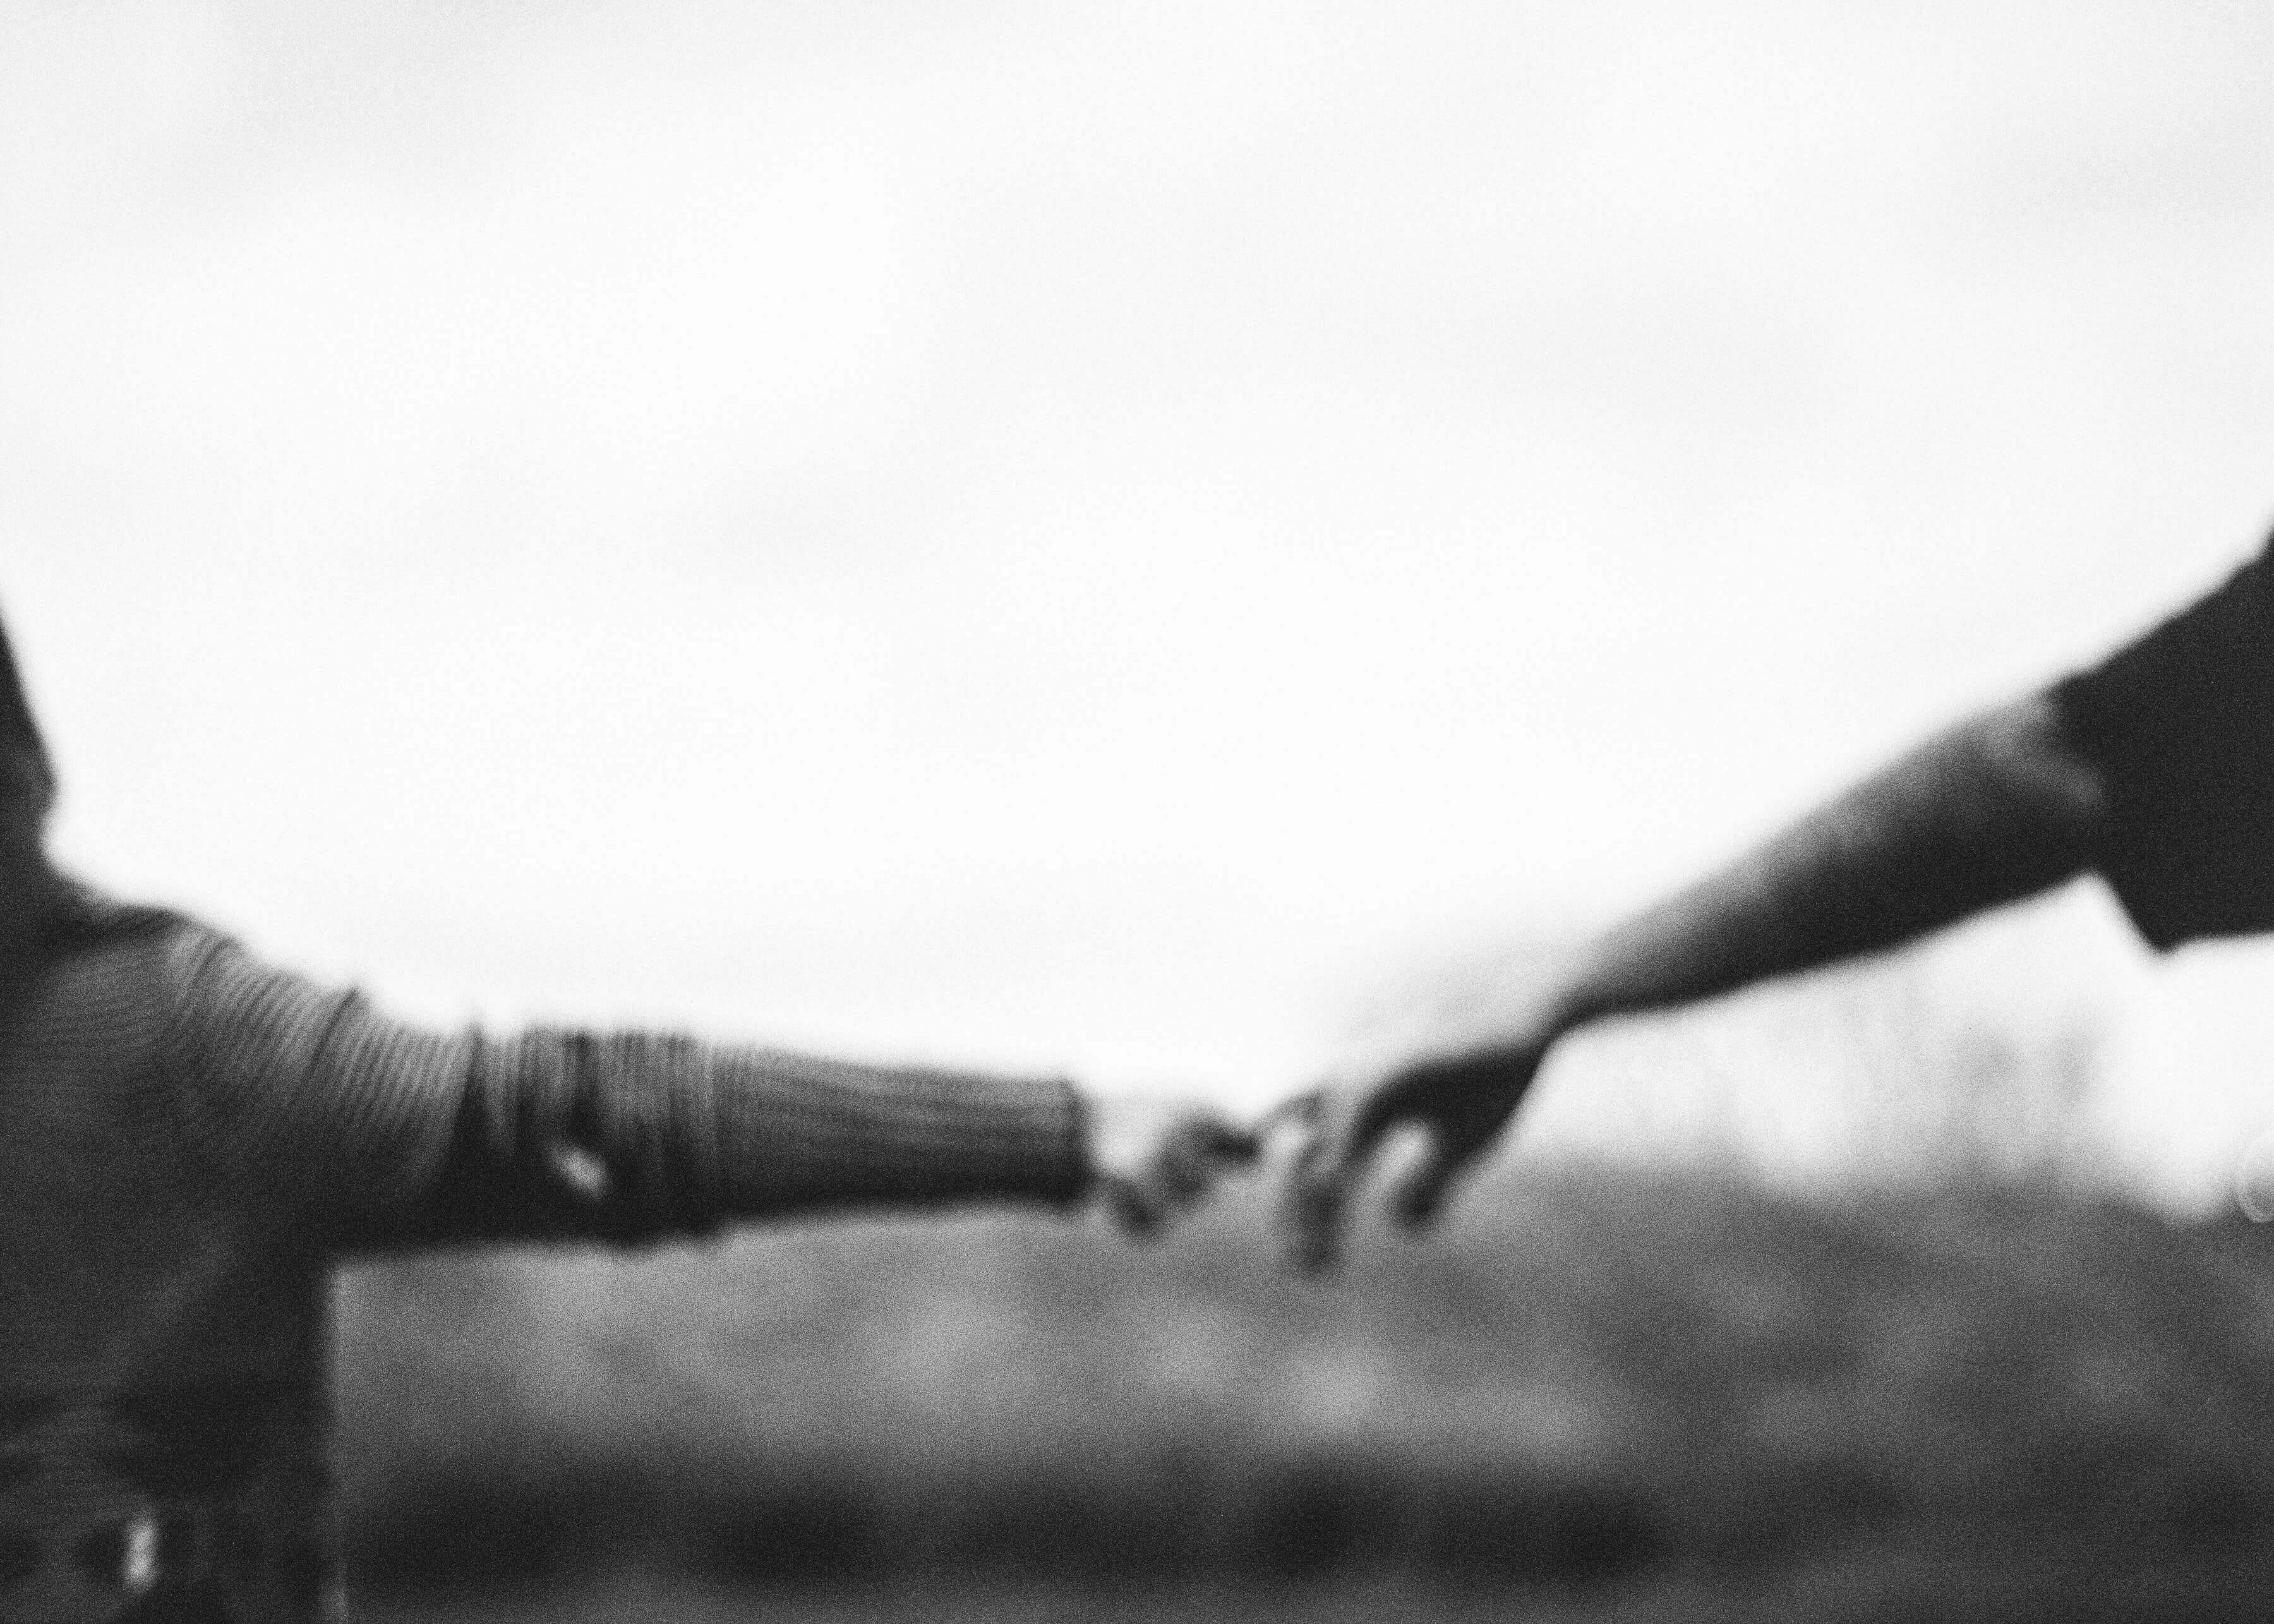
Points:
point(1998, 808)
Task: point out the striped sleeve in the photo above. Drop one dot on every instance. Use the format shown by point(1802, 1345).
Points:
point(381, 1135)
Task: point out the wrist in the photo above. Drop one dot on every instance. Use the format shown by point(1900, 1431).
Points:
point(1569, 1001)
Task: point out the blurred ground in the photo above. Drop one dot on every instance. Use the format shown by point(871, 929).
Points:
point(1906, 1590)
point(1608, 1395)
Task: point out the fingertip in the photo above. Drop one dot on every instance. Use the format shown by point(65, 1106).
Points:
point(1421, 1197)
point(1320, 1184)
point(1239, 1145)
point(1420, 1216)
point(1136, 1217)
point(1299, 1110)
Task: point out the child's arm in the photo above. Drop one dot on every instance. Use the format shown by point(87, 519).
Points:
point(2155, 768)
point(307, 1101)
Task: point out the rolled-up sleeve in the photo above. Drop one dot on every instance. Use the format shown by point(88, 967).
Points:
point(2181, 724)
point(307, 1101)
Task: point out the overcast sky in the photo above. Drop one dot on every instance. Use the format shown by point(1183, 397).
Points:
point(1076, 535)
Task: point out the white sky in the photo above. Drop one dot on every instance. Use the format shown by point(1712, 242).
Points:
point(1052, 534)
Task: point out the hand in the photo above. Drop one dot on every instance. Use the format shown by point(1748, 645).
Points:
point(1460, 1092)
point(1152, 1160)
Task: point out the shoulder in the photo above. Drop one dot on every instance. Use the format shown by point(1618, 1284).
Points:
point(88, 939)
point(99, 985)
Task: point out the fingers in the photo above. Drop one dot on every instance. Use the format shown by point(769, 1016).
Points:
point(1327, 1170)
point(1171, 1163)
point(1420, 1194)
point(1135, 1212)
point(1198, 1149)
point(1301, 1112)
point(1311, 1214)
point(1457, 1106)
point(1184, 1166)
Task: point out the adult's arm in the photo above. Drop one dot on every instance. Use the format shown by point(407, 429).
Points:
point(2155, 768)
point(1995, 809)
point(1999, 808)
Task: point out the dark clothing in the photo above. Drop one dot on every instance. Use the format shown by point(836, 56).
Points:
point(188, 1141)
point(2180, 723)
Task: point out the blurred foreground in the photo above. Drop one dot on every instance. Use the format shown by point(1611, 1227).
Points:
point(1603, 1394)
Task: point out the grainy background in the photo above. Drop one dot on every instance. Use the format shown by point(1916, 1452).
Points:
point(1038, 533)
point(1125, 539)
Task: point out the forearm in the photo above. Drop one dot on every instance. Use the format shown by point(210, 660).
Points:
point(307, 1104)
point(631, 1135)
point(1998, 808)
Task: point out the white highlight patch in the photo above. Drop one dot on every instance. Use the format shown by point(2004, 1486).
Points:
point(138, 1569)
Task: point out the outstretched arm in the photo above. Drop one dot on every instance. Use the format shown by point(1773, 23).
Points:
point(1998, 808)
point(2155, 768)
point(362, 1132)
